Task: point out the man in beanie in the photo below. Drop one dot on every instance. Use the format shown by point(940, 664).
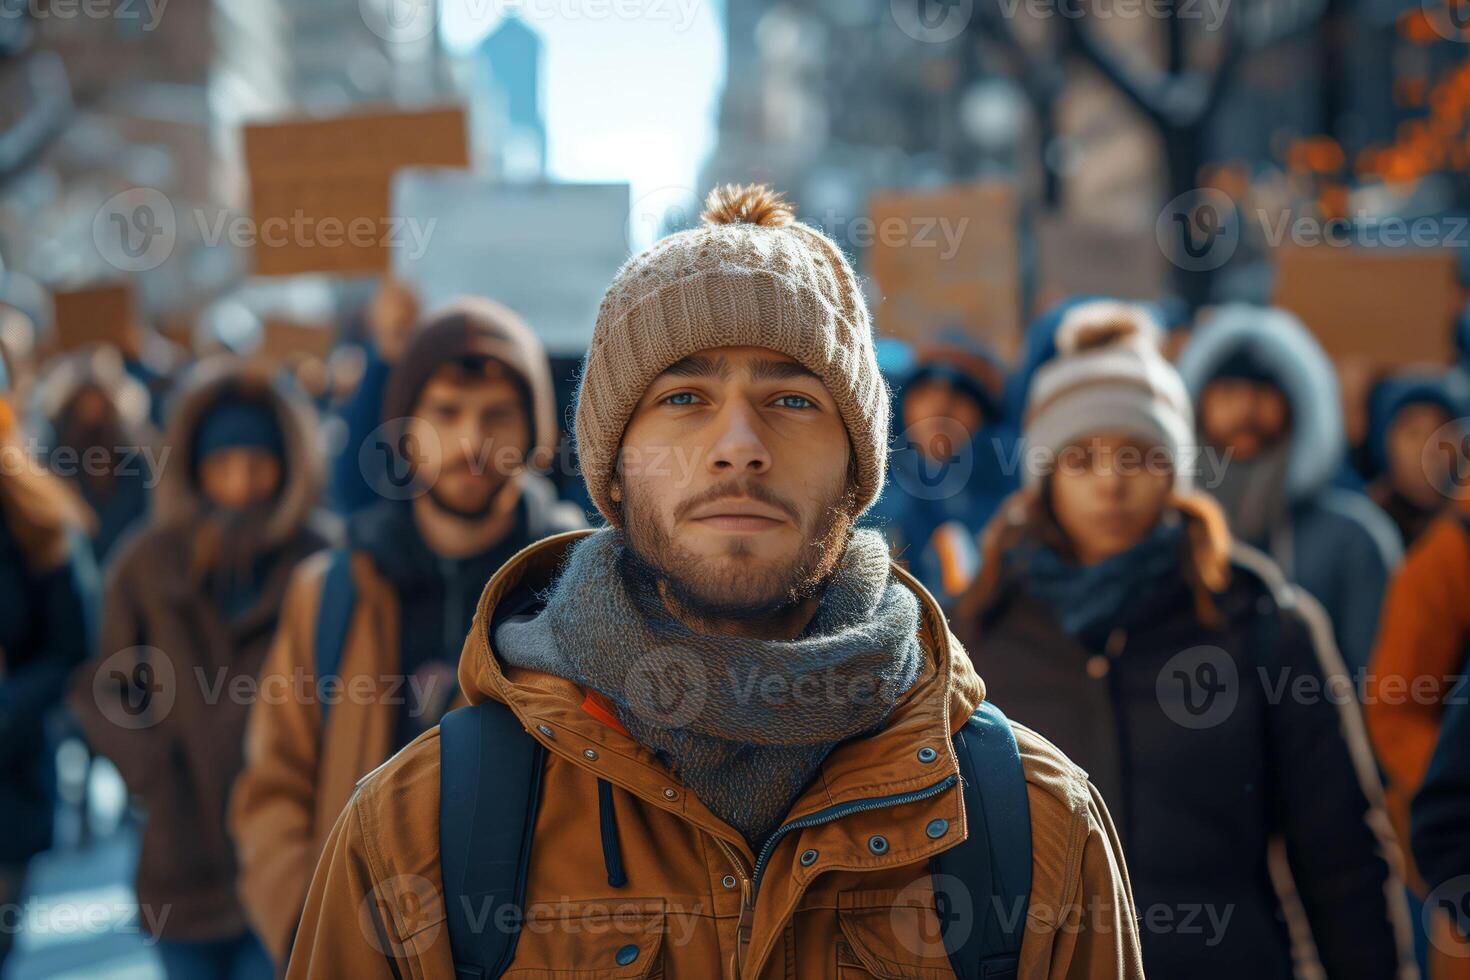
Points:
point(1267, 403)
point(744, 711)
point(1115, 613)
point(190, 606)
point(468, 415)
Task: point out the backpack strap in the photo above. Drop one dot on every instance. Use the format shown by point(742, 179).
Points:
point(489, 789)
point(333, 619)
point(989, 873)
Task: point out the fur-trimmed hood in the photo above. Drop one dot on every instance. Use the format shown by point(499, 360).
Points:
point(178, 500)
point(1280, 342)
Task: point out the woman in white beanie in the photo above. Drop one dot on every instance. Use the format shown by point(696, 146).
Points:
point(1116, 615)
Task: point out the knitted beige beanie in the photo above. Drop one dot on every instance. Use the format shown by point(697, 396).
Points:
point(750, 275)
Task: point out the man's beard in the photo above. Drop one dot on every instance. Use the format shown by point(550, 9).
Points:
point(745, 592)
point(473, 512)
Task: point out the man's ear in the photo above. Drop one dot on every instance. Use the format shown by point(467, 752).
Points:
point(615, 491)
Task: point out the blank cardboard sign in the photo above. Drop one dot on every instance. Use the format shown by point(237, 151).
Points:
point(1387, 307)
point(945, 260)
point(97, 315)
point(1080, 258)
point(319, 188)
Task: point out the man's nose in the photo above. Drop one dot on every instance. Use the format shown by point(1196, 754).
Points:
point(738, 448)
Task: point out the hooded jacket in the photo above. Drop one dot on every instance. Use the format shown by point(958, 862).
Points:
point(179, 747)
point(1334, 543)
point(1448, 390)
point(1193, 733)
point(121, 500)
point(933, 512)
point(374, 909)
point(302, 760)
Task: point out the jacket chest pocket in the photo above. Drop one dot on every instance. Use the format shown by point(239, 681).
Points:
point(890, 935)
point(614, 940)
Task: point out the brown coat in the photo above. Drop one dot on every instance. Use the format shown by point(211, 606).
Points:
point(374, 908)
point(181, 752)
point(1420, 651)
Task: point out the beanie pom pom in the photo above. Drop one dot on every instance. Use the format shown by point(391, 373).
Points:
point(1107, 323)
point(749, 204)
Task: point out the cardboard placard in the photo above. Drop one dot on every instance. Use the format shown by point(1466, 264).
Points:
point(945, 260)
point(97, 315)
point(319, 188)
point(284, 342)
point(1076, 257)
point(1388, 307)
point(548, 251)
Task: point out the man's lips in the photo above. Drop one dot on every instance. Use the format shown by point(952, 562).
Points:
point(738, 516)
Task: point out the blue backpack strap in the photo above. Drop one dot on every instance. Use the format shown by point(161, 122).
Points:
point(989, 873)
point(489, 789)
point(333, 619)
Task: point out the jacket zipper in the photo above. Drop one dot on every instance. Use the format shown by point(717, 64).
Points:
point(747, 907)
point(749, 889)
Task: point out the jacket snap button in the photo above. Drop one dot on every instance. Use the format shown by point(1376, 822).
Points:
point(590, 753)
point(627, 954)
point(546, 730)
point(729, 881)
point(1097, 666)
point(937, 827)
point(671, 793)
point(808, 857)
point(927, 754)
point(878, 844)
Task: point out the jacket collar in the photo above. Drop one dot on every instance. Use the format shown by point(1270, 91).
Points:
point(886, 763)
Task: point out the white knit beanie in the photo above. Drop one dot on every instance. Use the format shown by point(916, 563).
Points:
point(1109, 375)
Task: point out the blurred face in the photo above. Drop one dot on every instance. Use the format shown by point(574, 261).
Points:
point(468, 436)
point(1408, 434)
point(1244, 417)
point(239, 477)
point(734, 482)
point(1108, 491)
point(940, 420)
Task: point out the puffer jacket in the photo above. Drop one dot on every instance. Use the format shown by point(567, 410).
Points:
point(166, 697)
point(375, 909)
point(1210, 741)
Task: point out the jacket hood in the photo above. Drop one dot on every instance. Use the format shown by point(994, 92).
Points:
point(946, 692)
point(178, 500)
point(1449, 390)
point(1279, 342)
point(102, 368)
point(969, 365)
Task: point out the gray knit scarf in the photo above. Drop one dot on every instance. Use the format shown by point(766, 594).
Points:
point(744, 723)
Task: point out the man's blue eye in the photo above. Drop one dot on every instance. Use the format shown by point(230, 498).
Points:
point(794, 401)
point(681, 398)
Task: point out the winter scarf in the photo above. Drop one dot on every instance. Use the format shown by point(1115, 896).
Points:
point(1088, 600)
point(744, 723)
point(1253, 494)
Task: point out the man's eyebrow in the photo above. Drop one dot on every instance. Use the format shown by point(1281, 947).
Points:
point(699, 366)
point(768, 370)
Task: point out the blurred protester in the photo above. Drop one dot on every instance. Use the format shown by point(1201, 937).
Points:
point(749, 562)
point(48, 586)
point(1441, 828)
point(1413, 478)
point(1114, 613)
point(1270, 417)
point(191, 604)
point(391, 317)
point(470, 413)
point(954, 466)
point(98, 437)
point(1419, 658)
point(1039, 345)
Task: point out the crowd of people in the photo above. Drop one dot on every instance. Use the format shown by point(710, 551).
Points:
point(1111, 664)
